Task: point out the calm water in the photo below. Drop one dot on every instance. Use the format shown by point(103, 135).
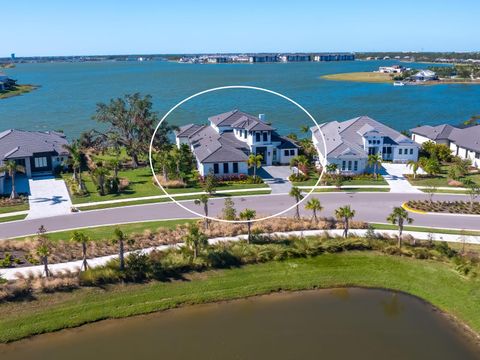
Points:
point(69, 93)
point(327, 324)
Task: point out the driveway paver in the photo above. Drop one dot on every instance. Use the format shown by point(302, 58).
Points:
point(277, 178)
point(48, 197)
point(394, 175)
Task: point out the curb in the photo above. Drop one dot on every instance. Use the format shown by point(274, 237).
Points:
point(409, 209)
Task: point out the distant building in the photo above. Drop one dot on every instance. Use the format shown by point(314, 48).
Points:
point(464, 143)
point(425, 75)
point(295, 57)
point(349, 143)
point(263, 58)
point(394, 69)
point(6, 83)
point(334, 57)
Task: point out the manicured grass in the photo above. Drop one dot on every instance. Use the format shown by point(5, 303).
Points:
point(370, 77)
point(433, 281)
point(18, 90)
point(12, 218)
point(180, 198)
point(142, 185)
point(14, 208)
point(425, 229)
point(459, 192)
point(440, 180)
point(313, 181)
point(353, 190)
point(106, 232)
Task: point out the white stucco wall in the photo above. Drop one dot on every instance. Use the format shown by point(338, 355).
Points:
point(285, 159)
point(205, 169)
point(405, 155)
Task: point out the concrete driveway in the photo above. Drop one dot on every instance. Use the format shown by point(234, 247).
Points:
point(277, 178)
point(48, 197)
point(394, 175)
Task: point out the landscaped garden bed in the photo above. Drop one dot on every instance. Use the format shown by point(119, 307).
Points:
point(450, 207)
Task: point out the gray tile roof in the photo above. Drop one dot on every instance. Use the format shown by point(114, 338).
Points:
point(345, 139)
point(468, 138)
point(285, 142)
point(187, 130)
point(440, 132)
point(18, 143)
point(241, 120)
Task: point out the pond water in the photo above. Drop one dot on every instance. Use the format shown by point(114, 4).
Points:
point(327, 324)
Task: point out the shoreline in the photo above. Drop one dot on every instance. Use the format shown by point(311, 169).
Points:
point(19, 90)
point(381, 78)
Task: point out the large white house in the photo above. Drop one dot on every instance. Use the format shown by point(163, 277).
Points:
point(349, 143)
point(464, 143)
point(223, 146)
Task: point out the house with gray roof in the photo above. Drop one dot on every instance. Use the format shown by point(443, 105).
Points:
point(464, 142)
point(349, 143)
point(37, 151)
point(223, 146)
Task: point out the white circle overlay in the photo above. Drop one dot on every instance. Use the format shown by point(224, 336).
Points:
point(236, 87)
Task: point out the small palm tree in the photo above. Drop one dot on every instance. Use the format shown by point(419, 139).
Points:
point(75, 160)
point(164, 161)
point(398, 217)
point(195, 239)
point(43, 249)
point(414, 165)
point(101, 173)
point(314, 205)
point(203, 200)
point(345, 214)
point(296, 193)
point(255, 161)
point(304, 129)
point(331, 168)
point(375, 160)
point(248, 215)
point(11, 168)
point(83, 239)
point(120, 238)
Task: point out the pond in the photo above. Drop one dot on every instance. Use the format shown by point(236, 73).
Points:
point(327, 324)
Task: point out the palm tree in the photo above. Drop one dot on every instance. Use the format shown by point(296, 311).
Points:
point(100, 173)
point(304, 129)
point(248, 214)
point(375, 160)
point(43, 249)
point(255, 161)
point(81, 238)
point(398, 217)
point(11, 168)
point(331, 168)
point(314, 205)
point(120, 238)
point(414, 165)
point(296, 193)
point(114, 164)
point(195, 239)
point(345, 213)
point(75, 160)
point(203, 200)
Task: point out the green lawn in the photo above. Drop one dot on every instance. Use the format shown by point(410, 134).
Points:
point(425, 229)
point(313, 181)
point(352, 190)
point(12, 218)
point(14, 208)
point(433, 281)
point(142, 185)
point(440, 180)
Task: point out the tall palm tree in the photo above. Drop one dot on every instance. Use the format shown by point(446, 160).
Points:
point(414, 165)
point(195, 239)
point(121, 238)
point(296, 193)
point(314, 205)
point(375, 160)
point(43, 249)
point(11, 168)
point(345, 214)
point(248, 215)
point(81, 238)
point(101, 174)
point(255, 161)
point(203, 200)
point(75, 160)
point(399, 216)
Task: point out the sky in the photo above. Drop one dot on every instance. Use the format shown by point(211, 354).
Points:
point(96, 27)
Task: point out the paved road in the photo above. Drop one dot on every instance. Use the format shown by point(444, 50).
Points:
point(373, 207)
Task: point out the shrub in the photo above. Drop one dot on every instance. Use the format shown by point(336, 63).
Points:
point(19, 289)
point(138, 267)
point(298, 177)
point(100, 276)
point(443, 248)
point(170, 183)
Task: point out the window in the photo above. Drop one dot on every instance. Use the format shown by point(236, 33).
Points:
point(292, 152)
point(245, 134)
point(411, 151)
point(286, 153)
point(344, 165)
point(215, 168)
point(349, 164)
point(355, 165)
point(400, 151)
point(265, 136)
point(257, 137)
point(235, 167)
point(40, 162)
point(20, 162)
point(225, 168)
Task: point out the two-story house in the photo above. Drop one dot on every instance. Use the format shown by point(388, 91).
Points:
point(349, 143)
point(223, 146)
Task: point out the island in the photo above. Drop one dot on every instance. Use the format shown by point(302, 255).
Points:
point(9, 87)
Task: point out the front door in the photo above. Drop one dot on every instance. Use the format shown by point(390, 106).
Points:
point(262, 150)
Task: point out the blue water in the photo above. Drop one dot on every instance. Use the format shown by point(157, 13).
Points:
point(69, 92)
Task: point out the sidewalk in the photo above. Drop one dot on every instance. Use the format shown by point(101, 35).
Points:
point(11, 274)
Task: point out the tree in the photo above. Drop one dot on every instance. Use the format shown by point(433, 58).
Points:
point(296, 193)
point(304, 129)
point(121, 238)
point(100, 174)
point(209, 184)
point(431, 189)
point(459, 168)
point(473, 190)
point(414, 165)
point(248, 215)
point(345, 214)
point(300, 162)
point(11, 168)
point(43, 249)
point(399, 216)
point(331, 168)
point(430, 165)
point(229, 212)
point(82, 239)
point(203, 200)
point(441, 152)
point(315, 206)
point(132, 120)
point(164, 160)
point(375, 160)
point(255, 161)
point(75, 161)
point(195, 239)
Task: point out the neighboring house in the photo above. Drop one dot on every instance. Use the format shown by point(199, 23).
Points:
point(6, 83)
point(39, 152)
point(394, 69)
point(223, 146)
point(464, 143)
point(349, 143)
point(425, 75)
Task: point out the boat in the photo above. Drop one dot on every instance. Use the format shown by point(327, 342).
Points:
point(398, 83)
